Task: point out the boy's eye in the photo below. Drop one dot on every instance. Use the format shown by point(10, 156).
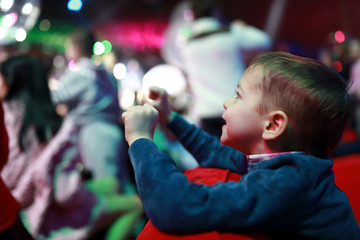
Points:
point(237, 94)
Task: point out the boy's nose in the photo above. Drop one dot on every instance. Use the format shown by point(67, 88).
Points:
point(226, 103)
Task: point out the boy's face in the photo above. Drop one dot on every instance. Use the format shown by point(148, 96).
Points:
point(244, 124)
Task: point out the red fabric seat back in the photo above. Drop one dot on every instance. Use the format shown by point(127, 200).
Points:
point(347, 178)
point(207, 176)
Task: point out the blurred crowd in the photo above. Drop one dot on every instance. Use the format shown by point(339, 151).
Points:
point(344, 58)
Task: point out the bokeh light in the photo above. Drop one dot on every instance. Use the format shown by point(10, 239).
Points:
point(73, 67)
point(337, 66)
point(133, 77)
point(140, 34)
point(59, 61)
point(17, 19)
point(9, 20)
point(5, 5)
point(119, 71)
point(165, 76)
point(107, 46)
point(185, 32)
point(132, 81)
point(133, 65)
point(3, 32)
point(74, 5)
point(127, 98)
point(27, 8)
point(20, 35)
point(99, 48)
point(44, 25)
point(339, 36)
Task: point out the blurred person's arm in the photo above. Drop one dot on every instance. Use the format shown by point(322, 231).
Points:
point(10, 207)
point(250, 37)
point(25, 189)
point(71, 86)
point(251, 41)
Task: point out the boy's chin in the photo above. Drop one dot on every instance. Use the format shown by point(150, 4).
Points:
point(223, 140)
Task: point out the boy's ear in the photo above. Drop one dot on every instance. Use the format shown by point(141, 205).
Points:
point(275, 125)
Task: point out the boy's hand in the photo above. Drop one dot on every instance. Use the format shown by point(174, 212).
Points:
point(140, 122)
point(158, 98)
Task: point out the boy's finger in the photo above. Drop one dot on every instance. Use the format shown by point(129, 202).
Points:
point(146, 99)
point(156, 92)
point(156, 89)
point(153, 94)
point(147, 105)
point(123, 116)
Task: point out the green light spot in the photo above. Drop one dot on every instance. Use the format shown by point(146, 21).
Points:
point(185, 32)
point(107, 45)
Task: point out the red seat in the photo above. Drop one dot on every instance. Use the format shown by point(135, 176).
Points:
point(347, 178)
point(207, 176)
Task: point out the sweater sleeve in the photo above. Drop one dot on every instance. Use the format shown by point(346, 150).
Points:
point(176, 206)
point(206, 149)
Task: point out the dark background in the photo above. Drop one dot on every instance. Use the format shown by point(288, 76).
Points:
point(306, 22)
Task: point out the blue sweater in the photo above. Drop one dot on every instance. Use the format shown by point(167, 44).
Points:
point(292, 196)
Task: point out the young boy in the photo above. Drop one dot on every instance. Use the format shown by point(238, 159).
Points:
point(287, 116)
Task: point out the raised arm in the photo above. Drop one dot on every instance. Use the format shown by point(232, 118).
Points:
point(176, 206)
point(206, 149)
